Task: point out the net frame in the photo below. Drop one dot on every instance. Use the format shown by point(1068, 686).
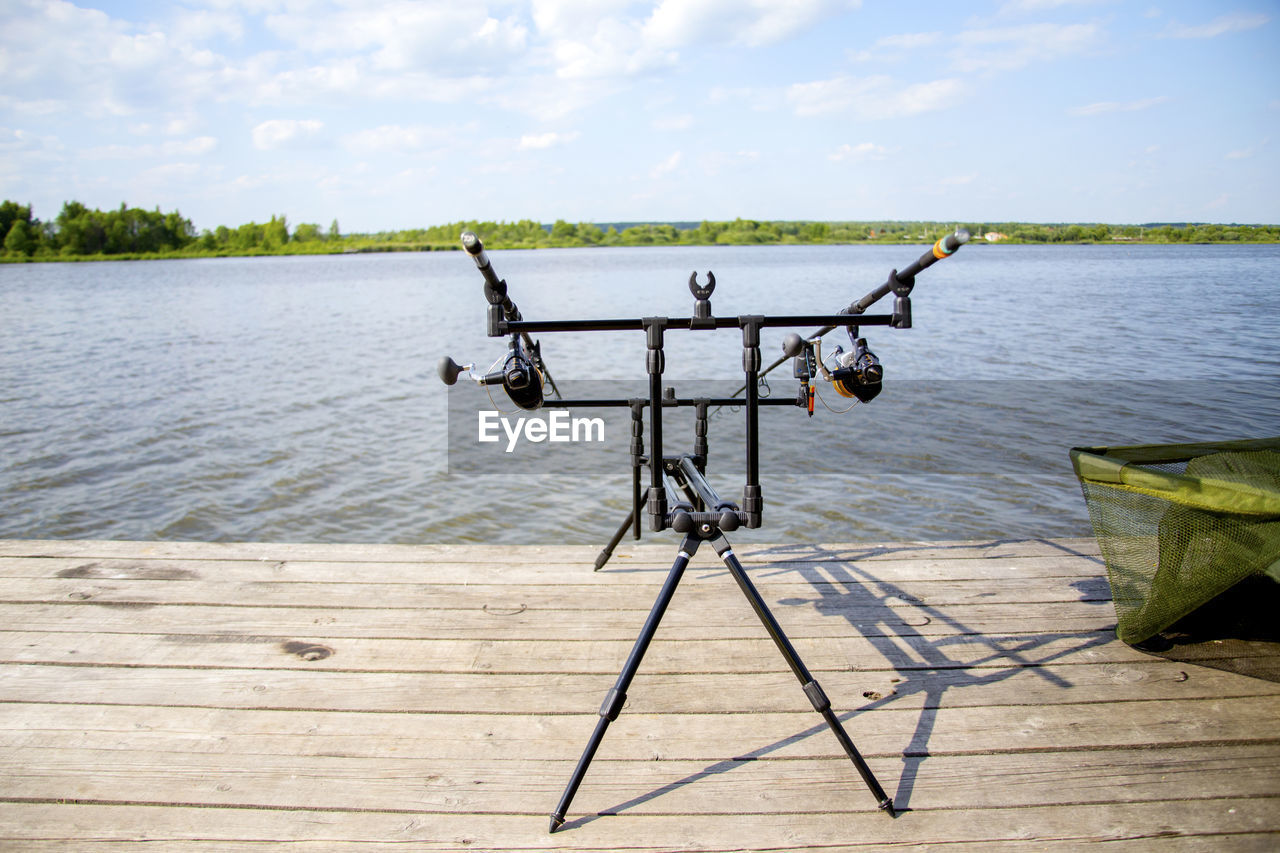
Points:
point(1179, 524)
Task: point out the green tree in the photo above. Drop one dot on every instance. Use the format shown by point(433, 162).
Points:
point(275, 233)
point(333, 230)
point(307, 232)
point(19, 240)
point(11, 212)
point(563, 232)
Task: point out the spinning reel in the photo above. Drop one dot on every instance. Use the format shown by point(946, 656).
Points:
point(856, 374)
point(523, 372)
point(519, 374)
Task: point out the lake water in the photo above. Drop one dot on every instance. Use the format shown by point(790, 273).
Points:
point(296, 399)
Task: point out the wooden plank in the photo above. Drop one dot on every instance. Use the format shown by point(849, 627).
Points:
point(113, 772)
point(566, 693)
point(1217, 819)
point(722, 617)
point(317, 650)
point(885, 733)
point(652, 552)
point(547, 570)
point(572, 692)
point(918, 604)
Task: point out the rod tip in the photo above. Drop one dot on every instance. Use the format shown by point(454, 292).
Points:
point(471, 242)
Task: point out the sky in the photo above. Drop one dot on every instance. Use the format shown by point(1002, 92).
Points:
point(395, 115)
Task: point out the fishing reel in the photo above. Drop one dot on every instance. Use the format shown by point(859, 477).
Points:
point(856, 374)
point(519, 374)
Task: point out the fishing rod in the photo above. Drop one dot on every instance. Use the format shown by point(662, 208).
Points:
point(900, 283)
point(523, 371)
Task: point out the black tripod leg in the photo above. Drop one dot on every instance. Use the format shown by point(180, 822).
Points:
point(811, 689)
point(617, 695)
point(607, 552)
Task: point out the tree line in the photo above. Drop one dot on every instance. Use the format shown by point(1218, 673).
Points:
point(127, 232)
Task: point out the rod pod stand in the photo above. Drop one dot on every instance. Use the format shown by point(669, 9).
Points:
point(699, 527)
point(701, 515)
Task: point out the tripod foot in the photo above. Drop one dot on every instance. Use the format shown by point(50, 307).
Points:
point(556, 822)
point(886, 805)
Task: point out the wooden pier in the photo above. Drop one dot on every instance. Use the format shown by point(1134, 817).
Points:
point(235, 697)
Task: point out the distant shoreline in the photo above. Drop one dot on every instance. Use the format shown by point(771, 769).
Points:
point(82, 234)
point(388, 248)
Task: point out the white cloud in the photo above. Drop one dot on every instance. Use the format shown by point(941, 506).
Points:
point(404, 35)
point(893, 48)
point(285, 133)
point(1033, 6)
point(166, 174)
point(179, 126)
point(394, 138)
point(1246, 153)
point(34, 108)
point(683, 121)
point(910, 41)
point(191, 147)
point(191, 26)
point(195, 147)
point(715, 162)
point(746, 22)
point(68, 58)
point(667, 166)
point(871, 98)
point(1013, 48)
point(761, 99)
point(861, 151)
point(1106, 107)
point(546, 140)
point(592, 39)
point(1219, 26)
point(17, 140)
point(341, 77)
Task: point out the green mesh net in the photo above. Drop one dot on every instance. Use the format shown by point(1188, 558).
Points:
point(1180, 524)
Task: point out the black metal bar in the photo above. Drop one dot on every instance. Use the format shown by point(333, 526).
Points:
point(617, 696)
point(752, 497)
point(637, 461)
point(535, 327)
point(679, 402)
point(710, 497)
point(654, 328)
point(539, 326)
point(818, 319)
point(811, 688)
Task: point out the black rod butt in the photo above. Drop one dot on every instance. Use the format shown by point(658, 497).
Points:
point(886, 805)
point(556, 822)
